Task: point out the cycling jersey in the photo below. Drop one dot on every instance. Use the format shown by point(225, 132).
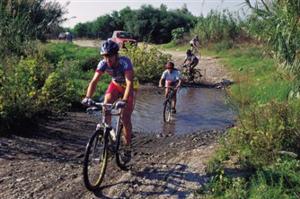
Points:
point(117, 73)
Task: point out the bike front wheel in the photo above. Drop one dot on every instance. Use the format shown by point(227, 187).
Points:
point(121, 150)
point(95, 160)
point(167, 114)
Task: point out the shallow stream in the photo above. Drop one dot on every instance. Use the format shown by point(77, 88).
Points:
point(197, 109)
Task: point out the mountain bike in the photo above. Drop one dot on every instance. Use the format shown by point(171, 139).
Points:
point(190, 75)
point(104, 141)
point(167, 112)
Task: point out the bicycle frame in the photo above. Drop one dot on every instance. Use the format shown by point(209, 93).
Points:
point(171, 94)
point(103, 139)
point(107, 109)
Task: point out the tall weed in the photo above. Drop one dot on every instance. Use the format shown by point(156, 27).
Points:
point(281, 29)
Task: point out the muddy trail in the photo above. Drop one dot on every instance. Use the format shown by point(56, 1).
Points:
point(47, 162)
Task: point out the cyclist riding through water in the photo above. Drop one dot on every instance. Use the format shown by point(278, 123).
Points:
point(172, 78)
point(190, 61)
point(120, 69)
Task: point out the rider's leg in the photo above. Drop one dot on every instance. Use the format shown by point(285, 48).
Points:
point(126, 117)
point(110, 97)
point(167, 91)
point(167, 85)
point(174, 100)
point(192, 66)
point(190, 69)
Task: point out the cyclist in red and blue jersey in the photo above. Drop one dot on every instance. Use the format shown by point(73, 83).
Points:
point(120, 69)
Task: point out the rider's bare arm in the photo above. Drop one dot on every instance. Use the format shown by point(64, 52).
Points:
point(129, 84)
point(93, 83)
point(184, 62)
point(178, 84)
point(160, 82)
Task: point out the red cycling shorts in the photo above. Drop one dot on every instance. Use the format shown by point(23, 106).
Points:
point(115, 89)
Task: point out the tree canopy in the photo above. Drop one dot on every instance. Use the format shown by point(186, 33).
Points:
point(146, 24)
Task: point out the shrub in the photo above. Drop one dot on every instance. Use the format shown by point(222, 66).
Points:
point(223, 45)
point(20, 89)
point(148, 62)
point(177, 34)
point(89, 63)
point(263, 131)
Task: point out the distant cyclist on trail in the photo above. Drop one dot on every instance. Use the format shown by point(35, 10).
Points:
point(121, 86)
point(190, 61)
point(195, 45)
point(172, 78)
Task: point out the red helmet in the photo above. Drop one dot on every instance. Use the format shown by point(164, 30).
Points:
point(169, 65)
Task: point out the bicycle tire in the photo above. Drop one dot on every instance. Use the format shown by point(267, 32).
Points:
point(120, 150)
point(89, 157)
point(167, 113)
point(197, 76)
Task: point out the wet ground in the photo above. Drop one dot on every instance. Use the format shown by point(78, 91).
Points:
point(48, 163)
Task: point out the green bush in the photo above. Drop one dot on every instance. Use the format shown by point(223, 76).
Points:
point(223, 45)
point(20, 89)
point(89, 63)
point(263, 131)
point(148, 62)
point(177, 34)
point(279, 180)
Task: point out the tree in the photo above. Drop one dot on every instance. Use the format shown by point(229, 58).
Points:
point(147, 23)
point(25, 20)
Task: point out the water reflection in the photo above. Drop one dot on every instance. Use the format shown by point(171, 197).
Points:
point(197, 109)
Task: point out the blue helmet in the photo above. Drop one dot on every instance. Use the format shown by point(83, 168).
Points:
point(109, 47)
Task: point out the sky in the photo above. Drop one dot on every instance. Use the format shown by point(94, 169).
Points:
point(89, 10)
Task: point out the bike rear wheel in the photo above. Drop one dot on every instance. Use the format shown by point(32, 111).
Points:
point(197, 76)
point(121, 150)
point(95, 160)
point(167, 114)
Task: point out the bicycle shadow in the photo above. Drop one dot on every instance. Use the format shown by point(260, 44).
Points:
point(158, 180)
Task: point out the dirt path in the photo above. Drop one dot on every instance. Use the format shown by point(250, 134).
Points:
point(48, 162)
point(213, 72)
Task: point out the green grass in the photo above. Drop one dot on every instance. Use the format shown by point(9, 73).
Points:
point(69, 51)
point(268, 123)
point(257, 76)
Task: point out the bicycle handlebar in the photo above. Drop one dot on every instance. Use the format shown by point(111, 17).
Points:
point(97, 106)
